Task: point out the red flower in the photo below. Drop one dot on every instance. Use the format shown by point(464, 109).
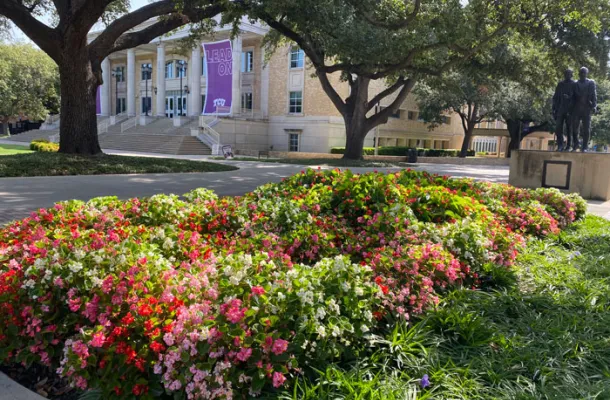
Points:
point(145, 310)
point(157, 347)
point(140, 389)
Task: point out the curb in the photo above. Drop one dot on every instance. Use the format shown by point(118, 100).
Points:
point(11, 390)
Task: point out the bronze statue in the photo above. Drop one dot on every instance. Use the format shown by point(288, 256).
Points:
point(585, 104)
point(563, 104)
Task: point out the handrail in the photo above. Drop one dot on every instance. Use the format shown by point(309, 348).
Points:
point(130, 123)
point(209, 135)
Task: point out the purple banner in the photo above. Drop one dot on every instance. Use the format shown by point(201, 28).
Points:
point(98, 101)
point(219, 80)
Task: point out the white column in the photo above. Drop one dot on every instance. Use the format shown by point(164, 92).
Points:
point(195, 82)
point(264, 85)
point(105, 95)
point(237, 48)
point(161, 80)
point(131, 82)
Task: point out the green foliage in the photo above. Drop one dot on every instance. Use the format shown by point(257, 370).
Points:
point(44, 146)
point(545, 338)
point(29, 82)
point(403, 151)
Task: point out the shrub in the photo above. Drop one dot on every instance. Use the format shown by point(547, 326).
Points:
point(403, 151)
point(209, 297)
point(44, 146)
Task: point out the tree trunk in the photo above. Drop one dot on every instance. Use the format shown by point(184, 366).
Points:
point(78, 123)
point(514, 130)
point(4, 126)
point(467, 140)
point(356, 124)
point(354, 142)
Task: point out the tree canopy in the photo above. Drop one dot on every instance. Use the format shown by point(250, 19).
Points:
point(402, 42)
point(29, 83)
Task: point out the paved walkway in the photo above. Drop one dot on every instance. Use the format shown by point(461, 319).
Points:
point(20, 196)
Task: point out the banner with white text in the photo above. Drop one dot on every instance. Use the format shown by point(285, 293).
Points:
point(219, 88)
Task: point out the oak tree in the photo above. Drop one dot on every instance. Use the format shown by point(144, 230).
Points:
point(79, 61)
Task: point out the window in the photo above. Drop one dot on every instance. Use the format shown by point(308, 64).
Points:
point(146, 105)
point(446, 120)
point(295, 105)
point(119, 74)
point(204, 66)
point(293, 139)
point(247, 61)
point(146, 71)
point(120, 105)
point(202, 103)
point(297, 57)
point(181, 67)
point(412, 115)
point(169, 70)
point(246, 101)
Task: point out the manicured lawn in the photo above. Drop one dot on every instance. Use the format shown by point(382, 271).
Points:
point(9, 149)
point(334, 162)
point(50, 164)
point(544, 336)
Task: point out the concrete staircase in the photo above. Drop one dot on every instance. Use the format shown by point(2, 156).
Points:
point(27, 137)
point(160, 136)
point(151, 143)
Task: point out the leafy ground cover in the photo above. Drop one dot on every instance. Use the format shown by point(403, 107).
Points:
point(51, 164)
point(9, 149)
point(543, 337)
point(366, 278)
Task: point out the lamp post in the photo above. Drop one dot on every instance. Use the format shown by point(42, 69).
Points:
point(147, 71)
point(116, 73)
point(182, 68)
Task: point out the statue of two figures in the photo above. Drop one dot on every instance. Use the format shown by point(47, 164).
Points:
point(573, 104)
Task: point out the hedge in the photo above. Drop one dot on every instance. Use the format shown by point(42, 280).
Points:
point(44, 146)
point(402, 151)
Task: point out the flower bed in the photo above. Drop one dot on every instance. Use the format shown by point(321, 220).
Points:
point(215, 298)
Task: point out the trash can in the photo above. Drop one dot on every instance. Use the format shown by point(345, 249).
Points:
point(412, 155)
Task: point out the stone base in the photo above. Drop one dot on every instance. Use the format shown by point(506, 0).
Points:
point(179, 121)
point(587, 174)
point(144, 120)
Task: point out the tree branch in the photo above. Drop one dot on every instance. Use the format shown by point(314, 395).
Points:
point(383, 94)
point(331, 92)
point(383, 116)
point(115, 39)
point(45, 37)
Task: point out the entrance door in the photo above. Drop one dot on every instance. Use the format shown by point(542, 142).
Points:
point(181, 109)
point(169, 107)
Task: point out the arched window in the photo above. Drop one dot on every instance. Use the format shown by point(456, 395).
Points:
point(169, 70)
point(181, 67)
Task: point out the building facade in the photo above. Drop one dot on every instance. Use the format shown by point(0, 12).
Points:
point(277, 103)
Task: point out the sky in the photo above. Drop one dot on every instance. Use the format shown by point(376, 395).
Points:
point(18, 35)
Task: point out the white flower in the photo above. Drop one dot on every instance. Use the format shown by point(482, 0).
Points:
point(345, 286)
point(40, 263)
point(359, 291)
point(334, 307)
point(368, 315)
point(320, 313)
point(28, 284)
point(321, 331)
point(281, 296)
point(98, 259)
point(336, 331)
point(234, 280)
point(168, 244)
point(79, 254)
point(75, 266)
point(364, 328)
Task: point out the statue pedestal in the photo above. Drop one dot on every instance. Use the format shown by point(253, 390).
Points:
point(587, 174)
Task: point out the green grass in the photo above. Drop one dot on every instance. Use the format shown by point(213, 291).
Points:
point(9, 149)
point(547, 336)
point(333, 162)
point(51, 164)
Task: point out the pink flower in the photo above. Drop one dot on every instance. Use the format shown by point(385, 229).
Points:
point(258, 290)
point(244, 354)
point(279, 346)
point(98, 339)
point(278, 379)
